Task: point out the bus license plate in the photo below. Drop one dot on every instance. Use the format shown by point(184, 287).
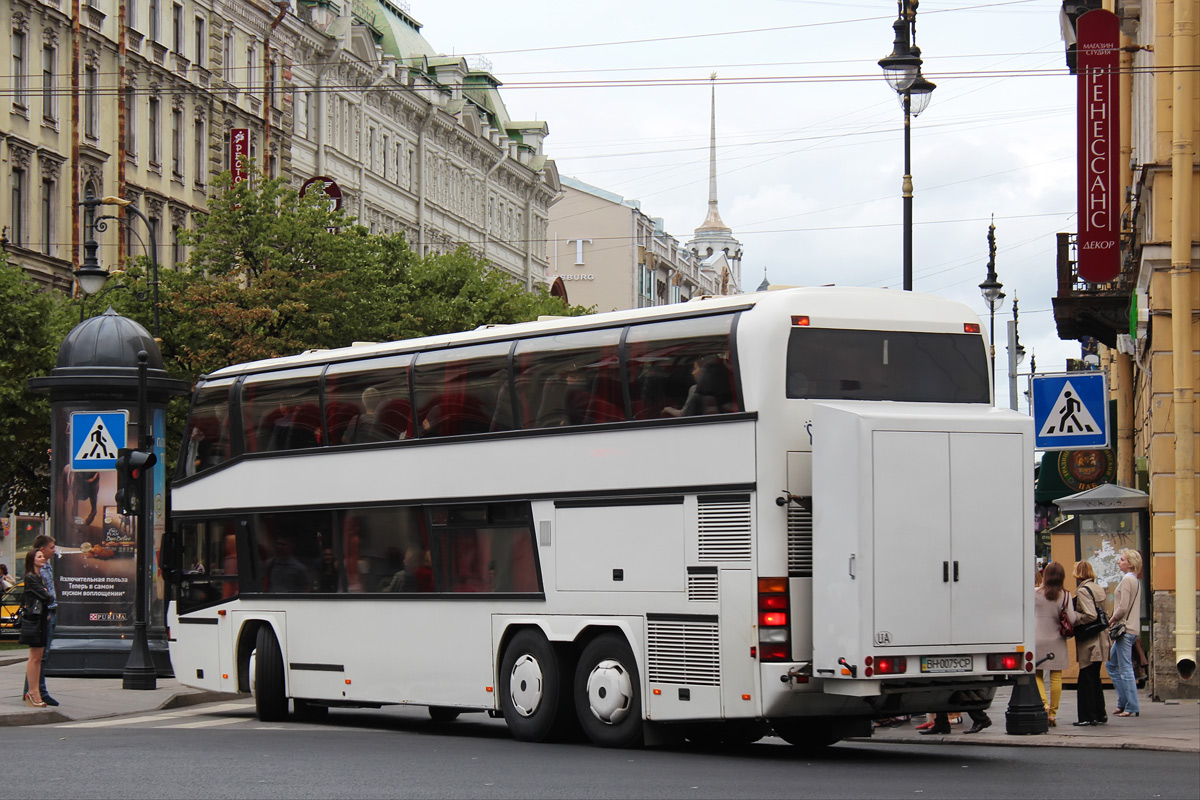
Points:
point(947, 663)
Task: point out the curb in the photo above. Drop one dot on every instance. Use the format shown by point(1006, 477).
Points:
point(176, 700)
point(1036, 740)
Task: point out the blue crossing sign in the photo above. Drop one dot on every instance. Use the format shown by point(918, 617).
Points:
point(96, 436)
point(1070, 411)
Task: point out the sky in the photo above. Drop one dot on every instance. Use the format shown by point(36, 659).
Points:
point(810, 147)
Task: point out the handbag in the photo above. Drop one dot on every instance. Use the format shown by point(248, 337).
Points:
point(1089, 629)
point(1118, 629)
point(1065, 628)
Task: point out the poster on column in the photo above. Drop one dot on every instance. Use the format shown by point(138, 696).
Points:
point(97, 546)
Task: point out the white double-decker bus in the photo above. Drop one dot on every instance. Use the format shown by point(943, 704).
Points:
point(791, 511)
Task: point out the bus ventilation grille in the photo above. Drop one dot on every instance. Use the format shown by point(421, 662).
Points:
point(800, 542)
point(724, 528)
point(702, 588)
point(684, 652)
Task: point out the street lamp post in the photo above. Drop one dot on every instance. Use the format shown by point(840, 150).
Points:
point(90, 276)
point(140, 672)
point(993, 296)
point(902, 71)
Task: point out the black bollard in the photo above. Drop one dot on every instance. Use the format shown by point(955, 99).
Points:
point(1026, 713)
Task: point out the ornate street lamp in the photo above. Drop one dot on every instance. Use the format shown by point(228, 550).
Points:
point(91, 276)
point(993, 296)
point(902, 71)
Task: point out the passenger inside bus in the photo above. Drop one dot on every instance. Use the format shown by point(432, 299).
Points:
point(711, 392)
point(284, 573)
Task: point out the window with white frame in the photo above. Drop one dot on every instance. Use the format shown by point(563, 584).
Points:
point(49, 96)
point(17, 234)
point(131, 122)
point(201, 42)
point(177, 142)
point(154, 20)
point(19, 68)
point(201, 163)
point(47, 204)
point(154, 122)
point(91, 102)
point(177, 28)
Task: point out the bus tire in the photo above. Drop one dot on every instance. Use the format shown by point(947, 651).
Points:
point(531, 687)
point(808, 734)
point(270, 700)
point(443, 713)
point(608, 693)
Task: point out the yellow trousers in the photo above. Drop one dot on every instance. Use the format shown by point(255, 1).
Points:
point(1055, 691)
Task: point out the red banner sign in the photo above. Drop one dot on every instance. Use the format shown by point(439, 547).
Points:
point(1098, 41)
point(239, 151)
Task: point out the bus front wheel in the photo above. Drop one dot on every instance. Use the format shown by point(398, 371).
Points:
point(531, 694)
point(608, 699)
point(270, 701)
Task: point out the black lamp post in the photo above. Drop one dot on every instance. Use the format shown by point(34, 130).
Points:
point(993, 296)
point(140, 672)
point(902, 71)
point(91, 277)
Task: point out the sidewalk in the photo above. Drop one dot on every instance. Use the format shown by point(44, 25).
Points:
point(88, 698)
point(1174, 725)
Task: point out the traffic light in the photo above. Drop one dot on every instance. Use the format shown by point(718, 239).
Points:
point(132, 468)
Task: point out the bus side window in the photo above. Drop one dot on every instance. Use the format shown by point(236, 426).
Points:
point(569, 379)
point(680, 368)
point(463, 391)
point(206, 440)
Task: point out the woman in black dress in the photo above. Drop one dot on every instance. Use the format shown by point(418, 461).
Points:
point(34, 607)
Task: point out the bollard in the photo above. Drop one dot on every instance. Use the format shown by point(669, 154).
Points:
point(1026, 713)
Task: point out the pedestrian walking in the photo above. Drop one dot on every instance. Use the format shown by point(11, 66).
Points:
point(45, 545)
point(1051, 604)
point(34, 616)
point(1090, 649)
point(1124, 625)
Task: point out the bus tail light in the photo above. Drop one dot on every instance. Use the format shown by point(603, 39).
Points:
point(885, 665)
point(1004, 662)
point(774, 637)
point(971, 327)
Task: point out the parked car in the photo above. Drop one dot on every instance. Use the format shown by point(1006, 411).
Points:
point(10, 607)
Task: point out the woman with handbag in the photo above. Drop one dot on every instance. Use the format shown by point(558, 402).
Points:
point(33, 624)
point(1055, 617)
point(1124, 625)
point(1091, 645)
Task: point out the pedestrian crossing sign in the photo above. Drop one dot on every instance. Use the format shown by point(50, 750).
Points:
point(96, 436)
point(1070, 411)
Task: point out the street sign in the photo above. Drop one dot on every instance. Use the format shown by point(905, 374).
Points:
point(96, 436)
point(1070, 411)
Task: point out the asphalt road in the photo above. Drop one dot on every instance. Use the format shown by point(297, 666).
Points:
point(222, 751)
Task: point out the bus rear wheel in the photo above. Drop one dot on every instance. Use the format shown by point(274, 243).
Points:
point(608, 694)
point(270, 701)
point(531, 688)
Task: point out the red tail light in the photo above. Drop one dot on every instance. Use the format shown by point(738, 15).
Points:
point(774, 633)
point(885, 665)
point(970, 327)
point(1004, 662)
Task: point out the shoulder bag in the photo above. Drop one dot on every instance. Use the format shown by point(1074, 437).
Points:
point(1093, 628)
point(1065, 628)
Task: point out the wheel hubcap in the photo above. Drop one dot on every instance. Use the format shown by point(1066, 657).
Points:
point(525, 685)
point(610, 692)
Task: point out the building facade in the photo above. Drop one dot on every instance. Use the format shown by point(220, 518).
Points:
point(1146, 318)
point(606, 252)
point(139, 99)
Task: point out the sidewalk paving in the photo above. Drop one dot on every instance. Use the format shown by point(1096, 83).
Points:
point(88, 698)
point(1171, 725)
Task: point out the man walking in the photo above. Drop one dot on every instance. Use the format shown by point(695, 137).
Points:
point(46, 545)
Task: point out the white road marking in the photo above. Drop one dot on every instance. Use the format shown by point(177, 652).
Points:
point(114, 722)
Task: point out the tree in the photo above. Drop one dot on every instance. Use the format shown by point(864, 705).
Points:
point(32, 326)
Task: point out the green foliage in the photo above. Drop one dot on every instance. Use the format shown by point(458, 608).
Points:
point(270, 273)
point(32, 326)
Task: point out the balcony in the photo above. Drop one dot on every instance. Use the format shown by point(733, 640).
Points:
point(1100, 310)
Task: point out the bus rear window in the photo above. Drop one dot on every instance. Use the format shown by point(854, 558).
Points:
point(905, 366)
